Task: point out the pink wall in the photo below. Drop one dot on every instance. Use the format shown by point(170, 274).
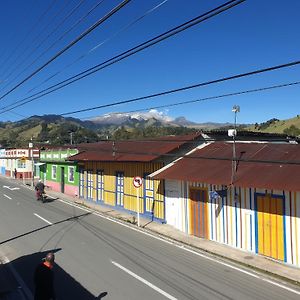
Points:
point(54, 186)
point(69, 189)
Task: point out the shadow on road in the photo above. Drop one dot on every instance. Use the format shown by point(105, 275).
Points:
point(66, 287)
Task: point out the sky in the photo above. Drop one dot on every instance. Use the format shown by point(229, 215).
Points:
point(250, 36)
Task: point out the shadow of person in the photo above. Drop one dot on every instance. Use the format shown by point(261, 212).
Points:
point(66, 287)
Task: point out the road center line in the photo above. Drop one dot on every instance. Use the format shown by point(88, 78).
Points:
point(7, 196)
point(144, 281)
point(48, 222)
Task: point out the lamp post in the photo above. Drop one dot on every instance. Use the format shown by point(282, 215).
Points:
point(30, 146)
point(235, 109)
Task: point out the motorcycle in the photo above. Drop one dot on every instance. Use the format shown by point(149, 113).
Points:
point(41, 196)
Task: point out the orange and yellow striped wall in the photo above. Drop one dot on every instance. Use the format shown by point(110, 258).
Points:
point(153, 205)
point(261, 221)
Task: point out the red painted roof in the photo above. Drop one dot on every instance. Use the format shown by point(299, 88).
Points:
point(213, 164)
point(137, 150)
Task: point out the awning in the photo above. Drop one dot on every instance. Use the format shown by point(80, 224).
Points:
point(39, 164)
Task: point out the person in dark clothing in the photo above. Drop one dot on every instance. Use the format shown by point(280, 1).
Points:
point(44, 279)
point(40, 189)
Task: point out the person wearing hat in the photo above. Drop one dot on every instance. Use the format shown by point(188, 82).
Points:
point(44, 279)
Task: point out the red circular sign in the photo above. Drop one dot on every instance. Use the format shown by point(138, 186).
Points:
point(137, 181)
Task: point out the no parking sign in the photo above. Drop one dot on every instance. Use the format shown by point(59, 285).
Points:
point(137, 181)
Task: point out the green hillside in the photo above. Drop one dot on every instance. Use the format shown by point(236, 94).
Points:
point(288, 126)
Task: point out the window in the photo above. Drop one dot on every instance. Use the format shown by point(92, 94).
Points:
point(120, 188)
point(54, 172)
point(100, 185)
point(71, 174)
point(148, 195)
point(21, 165)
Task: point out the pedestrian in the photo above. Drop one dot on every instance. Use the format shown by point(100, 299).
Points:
point(15, 173)
point(44, 279)
point(40, 189)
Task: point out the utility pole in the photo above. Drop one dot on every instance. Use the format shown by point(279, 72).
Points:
point(71, 137)
point(233, 133)
point(30, 150)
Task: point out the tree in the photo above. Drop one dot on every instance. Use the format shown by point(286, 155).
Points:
point(292, 131)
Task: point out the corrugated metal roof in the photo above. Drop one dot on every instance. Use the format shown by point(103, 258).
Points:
point(138, 150)
point(213, 164)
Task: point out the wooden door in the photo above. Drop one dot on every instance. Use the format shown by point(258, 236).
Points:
point(199, 213)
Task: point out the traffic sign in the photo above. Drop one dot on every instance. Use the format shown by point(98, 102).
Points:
point(137, 181)
point(23, 159)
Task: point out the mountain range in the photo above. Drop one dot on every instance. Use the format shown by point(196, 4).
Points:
point(58, 130)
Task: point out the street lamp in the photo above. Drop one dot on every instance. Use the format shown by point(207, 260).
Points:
point(232, 132)
point(30, 146)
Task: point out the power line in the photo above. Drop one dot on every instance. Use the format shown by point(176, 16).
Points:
point(100, 44)
point(28, 33)
point(73, 10)
point(207, 98)
point(81, 36)
point(190, 156)
point(130, 52)
point(42, 30)
point(163, 93)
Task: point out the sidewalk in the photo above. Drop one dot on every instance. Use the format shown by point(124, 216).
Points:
point(256, 262)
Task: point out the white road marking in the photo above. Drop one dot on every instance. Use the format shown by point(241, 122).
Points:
point(7, 196)
point(144, 281)
point(48, 222)
point(12, 189)
point(282, 286)
point(165, 240)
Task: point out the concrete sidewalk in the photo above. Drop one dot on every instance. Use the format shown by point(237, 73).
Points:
point(257, 262)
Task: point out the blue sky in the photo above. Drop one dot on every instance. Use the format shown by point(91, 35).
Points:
point(253, 35)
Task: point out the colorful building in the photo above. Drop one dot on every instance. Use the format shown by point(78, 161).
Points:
point(107, 170)
point(57, 172)
point(20, 162)
point(253, 204)
point(2, 162)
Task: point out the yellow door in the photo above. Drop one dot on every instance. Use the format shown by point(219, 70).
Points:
point(270, 226)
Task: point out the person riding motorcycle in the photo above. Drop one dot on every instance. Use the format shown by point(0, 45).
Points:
point(40, 190)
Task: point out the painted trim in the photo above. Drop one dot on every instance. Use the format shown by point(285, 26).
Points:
point(284, 228)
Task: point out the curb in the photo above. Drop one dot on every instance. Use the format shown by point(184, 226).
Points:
point(190, 245)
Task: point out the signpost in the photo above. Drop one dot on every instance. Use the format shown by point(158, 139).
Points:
point(137, 183)
point(23, 160)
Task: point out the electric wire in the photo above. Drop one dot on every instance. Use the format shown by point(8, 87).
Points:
point(42, 31)
point(75, 41)
point(187, 156)
point(73, 10)
point(132, 51)
point(99, 45)
point(12, 53)
point(205, 98)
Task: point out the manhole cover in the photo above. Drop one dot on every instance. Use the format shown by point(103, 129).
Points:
point(248, 257)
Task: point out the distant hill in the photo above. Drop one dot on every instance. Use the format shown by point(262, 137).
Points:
point(288, 126)
point(57, 130)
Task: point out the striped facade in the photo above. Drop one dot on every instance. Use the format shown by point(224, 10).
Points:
point(111, 183)
point(261, 221)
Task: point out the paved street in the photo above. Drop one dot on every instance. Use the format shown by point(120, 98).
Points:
point(97, 257)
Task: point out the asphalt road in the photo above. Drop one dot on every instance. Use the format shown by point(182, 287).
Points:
point(97, 258)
